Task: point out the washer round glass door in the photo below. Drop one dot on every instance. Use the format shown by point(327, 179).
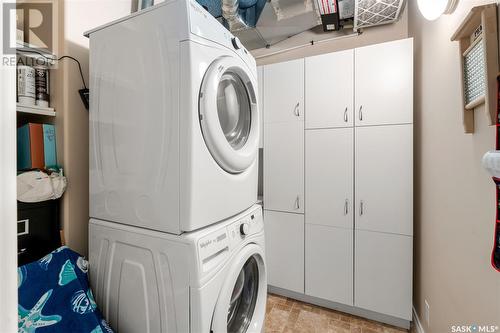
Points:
point(229, 115)
point(241, 305)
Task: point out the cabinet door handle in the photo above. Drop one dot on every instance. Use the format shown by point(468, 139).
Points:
point(346, 207)
point(361, 113)
point(361, 208)
point(296, 110)
point(297, 203)
point(345, 115)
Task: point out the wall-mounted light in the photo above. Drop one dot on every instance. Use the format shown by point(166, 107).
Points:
point(433, 9)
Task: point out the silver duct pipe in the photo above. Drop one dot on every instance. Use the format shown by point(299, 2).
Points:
point(230, 14)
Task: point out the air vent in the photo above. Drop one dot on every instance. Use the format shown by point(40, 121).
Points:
point(369, 13)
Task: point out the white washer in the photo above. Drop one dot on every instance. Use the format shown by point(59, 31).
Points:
point(174, 120)
point(211, 280)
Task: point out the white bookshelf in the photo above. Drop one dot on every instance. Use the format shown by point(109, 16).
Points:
point(35, 109)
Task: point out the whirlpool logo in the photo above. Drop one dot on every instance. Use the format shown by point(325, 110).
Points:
point(474, 328)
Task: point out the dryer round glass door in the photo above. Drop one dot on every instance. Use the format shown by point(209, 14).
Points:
point(241, 306)
point(233, 109)
point(229, 114)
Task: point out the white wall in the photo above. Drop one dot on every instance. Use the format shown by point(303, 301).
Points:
point(8, 210)
point(455, 197)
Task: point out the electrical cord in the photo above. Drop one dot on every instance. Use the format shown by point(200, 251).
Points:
point(60, 58)
point(79, 67)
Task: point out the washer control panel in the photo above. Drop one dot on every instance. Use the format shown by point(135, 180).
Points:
point(216, 246)
point(213, 248)
point(249, 225)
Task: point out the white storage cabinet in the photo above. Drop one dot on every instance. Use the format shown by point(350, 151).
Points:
point(350, 218)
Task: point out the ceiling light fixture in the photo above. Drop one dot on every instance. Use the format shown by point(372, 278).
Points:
point(433, 9)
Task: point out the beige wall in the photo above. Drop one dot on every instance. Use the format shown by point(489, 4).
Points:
point(454, 199)
point(373, 35)
point(77, 16)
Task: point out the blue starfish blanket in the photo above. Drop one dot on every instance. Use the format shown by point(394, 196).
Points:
point(54, 296)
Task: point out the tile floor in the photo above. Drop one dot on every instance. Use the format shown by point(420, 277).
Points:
point(288, 315)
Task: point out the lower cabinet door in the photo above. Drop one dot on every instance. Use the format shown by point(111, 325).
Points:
point(383, 273)
point(285, 250)
point(329, 263)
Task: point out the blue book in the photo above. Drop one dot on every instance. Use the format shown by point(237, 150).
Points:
point(49, 145)
point(23, 148)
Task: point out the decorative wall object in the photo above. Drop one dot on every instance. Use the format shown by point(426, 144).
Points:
point(478, 38)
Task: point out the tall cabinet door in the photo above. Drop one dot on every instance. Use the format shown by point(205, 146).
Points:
point(285, 250)
point(384, 83)
point(284, 167)
point(329, 177)
point(329, 85)
point(384, 179)
point(284, 99)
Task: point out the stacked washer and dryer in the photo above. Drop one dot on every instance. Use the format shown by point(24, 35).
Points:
point(176, 239)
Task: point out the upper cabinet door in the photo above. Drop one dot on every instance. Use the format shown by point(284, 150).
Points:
point(384, 83)
point(329, 177)
point(284, 97)
point(384, 179)
point(329, 97)
point(260, 82)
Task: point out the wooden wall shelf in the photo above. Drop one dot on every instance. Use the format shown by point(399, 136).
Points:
point(485, 17)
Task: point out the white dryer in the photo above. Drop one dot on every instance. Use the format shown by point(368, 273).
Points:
point(174, 120)
point(211, 280)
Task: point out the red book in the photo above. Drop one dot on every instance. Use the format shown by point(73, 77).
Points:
point(36, 143)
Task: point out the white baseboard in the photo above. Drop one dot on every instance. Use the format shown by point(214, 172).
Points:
point(417, 323)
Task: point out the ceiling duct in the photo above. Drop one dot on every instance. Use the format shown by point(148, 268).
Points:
point(263, 23)
point(267, 22)
point(279, 20)
point(370, 13)
point(230, 12)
